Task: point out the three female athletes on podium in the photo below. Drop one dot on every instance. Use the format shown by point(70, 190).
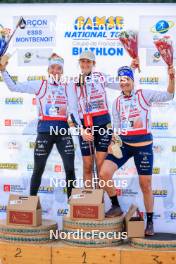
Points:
point(85, 100)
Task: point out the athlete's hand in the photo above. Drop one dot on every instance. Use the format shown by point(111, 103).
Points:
point(171, 71)
point(110, 147)
point(3, 62)
point(135, 63)
point(86, 134)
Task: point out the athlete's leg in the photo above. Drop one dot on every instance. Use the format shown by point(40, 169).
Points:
point(65, 146)
point(43, 147)
point(145, 182)
point(143, 159)
point(110, 165)
point(100, 158)
point(102, 141)
point(87, 152)
point(107, 171)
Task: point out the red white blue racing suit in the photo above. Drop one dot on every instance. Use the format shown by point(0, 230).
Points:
point(91, 98)
point(52, 104)
point(132, 116)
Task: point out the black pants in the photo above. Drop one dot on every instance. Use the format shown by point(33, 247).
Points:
point(43, 147)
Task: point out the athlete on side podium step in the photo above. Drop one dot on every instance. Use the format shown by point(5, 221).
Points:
point(131, 111)
point(53, 99)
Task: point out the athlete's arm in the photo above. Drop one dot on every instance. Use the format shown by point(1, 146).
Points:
point(31, 87)
point(171, 85)
point(115, 118)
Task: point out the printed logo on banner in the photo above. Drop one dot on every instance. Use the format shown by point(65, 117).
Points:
point(150, 26)
point(160, 104)
point(172, 171)
point(174, 148)
point(119, 192)
point(31, 145)
point(153, 58)
point(9, 166)
point(153, 80)
point(100, 34)
point(162, 26)
point(39, 31)
point(58, 168)
point(173, 215)
point(158, 148)
point(6, 187)
point(14, 100)
point(36, 78)
point(62, 212)
point(46, 189)
point(14, 188)
point(126, 192)
point(15, 122)
point(14, 78)
point(3, 208)
point(30, 167)
point(33, 57)
point(156, 170)
point(160, 193)
point(13, 145)
point(160, 125)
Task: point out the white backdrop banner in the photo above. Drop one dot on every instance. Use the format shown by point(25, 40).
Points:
point(67, 29)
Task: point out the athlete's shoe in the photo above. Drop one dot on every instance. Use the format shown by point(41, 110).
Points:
point(149, 231)
point(114, 211)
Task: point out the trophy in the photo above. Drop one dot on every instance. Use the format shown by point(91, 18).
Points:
point(5, 38)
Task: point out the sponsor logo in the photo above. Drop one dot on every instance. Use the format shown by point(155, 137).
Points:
point(13, 145)
point(160, 125)
point(62, 212)
point(156, 170)
point(160, 193)
point(126, 192)
point(31, 145)
point(158, 148)
point(13, 188)
point(36, 78)
point(162, 26)
point(58, 168)
point(172, 171)
point(173, 215)
point(14, 100)
point(90, 33)
point(9, 166)
point(173, 148)
point(3, 208)
point(14, 78)
point(149, 80)
point(46, 189)
point(30, 167)
point(14, 122)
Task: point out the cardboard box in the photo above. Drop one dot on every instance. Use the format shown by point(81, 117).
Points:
point(24, 210)
point(134, 225)
point(87, 204)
